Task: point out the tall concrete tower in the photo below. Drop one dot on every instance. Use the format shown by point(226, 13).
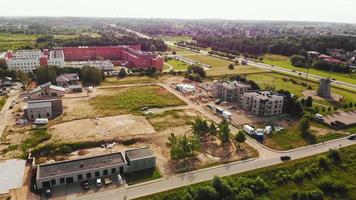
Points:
point(324, 88)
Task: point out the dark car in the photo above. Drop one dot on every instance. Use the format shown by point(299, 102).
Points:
point(352, 137)
point(86, 185)
point(285, 158)
point(47, 192)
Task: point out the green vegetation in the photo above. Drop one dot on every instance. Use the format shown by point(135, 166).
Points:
point(142, 176)
point(182, 146)
point(283, 61)
point(326, 176)
point(220, 66)
point(2, 102)
point(128, 80)
point(175, 38)
point(178, 65)
point(131, 99)
point(37, 136)
point(175, 118)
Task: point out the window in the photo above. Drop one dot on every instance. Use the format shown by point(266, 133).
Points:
point(80, 177)
point(97, 174)
point(53, 182)
point(88, 175)
point(113, 170)
point(61, 180)
point(105, 172)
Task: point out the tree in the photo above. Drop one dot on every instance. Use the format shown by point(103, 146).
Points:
point(335, 156)
point(122, 73)
point(91, 75)
point(304, 124)
point(240, 137)
point(3, 64)
point(329, 109)
point(298, 60)
point(45, 74)
point(200, 127)
point(351, 105)
point(224, 132)
point(231, 66)
point(309, 102)
point(197, 70)
point(212, 129)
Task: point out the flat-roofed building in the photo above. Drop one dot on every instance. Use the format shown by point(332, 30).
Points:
point(230, 91)
point(65, 172)
point(140, 159)
point(263, 103)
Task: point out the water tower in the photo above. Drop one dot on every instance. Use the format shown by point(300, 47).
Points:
point(324, 88)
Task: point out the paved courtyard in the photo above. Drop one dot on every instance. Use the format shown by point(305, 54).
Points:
point(11, 174)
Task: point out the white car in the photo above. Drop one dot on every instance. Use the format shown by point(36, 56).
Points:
point(98, 182)
point(119, 179)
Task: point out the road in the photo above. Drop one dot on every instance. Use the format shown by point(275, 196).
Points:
point(5, 113)
point(267, 157)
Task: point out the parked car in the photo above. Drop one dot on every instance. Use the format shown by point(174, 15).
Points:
point(47, 192)
point(86, 185)
point(352, 137)
point(98, 182)
point(285, 158)
point(119, 179)
point(144, 108)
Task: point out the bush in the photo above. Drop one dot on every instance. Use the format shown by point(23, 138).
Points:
point(335, 156)
point(323, 162)
point(307, 195)
point(298, 176)
point(298, 60)
point(332, 186)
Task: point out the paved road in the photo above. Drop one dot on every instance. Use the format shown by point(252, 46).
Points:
point(177, 181)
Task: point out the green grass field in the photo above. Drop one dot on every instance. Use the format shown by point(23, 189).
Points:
point(178, 65)
point(181, 51)
point(175, 118)
point(303, 175)
point(283, 61)
point(111, 81)
point(131, 99)
point(220, 66)
point(175, 38)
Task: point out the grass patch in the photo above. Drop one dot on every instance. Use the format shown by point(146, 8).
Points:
point(142, 176)
point(128, 80)
point(178, 65)
point(2, 102)
point(175, 38)
point(283, 61)
point(281, 179)
point(175, 118)
point(37, 136)
point(130, 100)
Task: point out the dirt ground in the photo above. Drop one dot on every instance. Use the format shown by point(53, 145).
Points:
point(102, 128)
point(313, 93)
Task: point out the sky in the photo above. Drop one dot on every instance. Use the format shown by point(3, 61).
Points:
point(284, 10)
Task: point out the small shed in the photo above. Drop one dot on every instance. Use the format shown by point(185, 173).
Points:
point(140, 159)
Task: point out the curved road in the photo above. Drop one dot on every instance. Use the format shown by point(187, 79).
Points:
point(267, 157)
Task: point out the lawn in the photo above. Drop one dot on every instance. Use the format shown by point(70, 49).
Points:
point(181, 51)
point(2, 102)
point(334, 180)
point(178, 65)
point(142, 176)
point(131, 99)
point(111, 81)
point(283, 61)
point(221, 67)
point(175, 38)
point(279, 81)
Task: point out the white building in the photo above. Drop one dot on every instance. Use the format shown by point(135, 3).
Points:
point(263, 103)
point(29, 60)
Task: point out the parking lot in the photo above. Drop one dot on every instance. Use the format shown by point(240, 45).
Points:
point(60, 192)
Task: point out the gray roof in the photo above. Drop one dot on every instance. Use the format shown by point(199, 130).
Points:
point(82, 164)
point(68, 77)
point(53, 87)
point(34, 105)
point(134, 154)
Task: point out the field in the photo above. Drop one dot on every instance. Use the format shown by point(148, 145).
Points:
point(176, 118)
point(111, 81)
point(332, 180)
point(279, 81)
point(221, 67)
point(2, 102)
point(282, 61)
point(175, 38)
point(130, 100)
point(178, 65)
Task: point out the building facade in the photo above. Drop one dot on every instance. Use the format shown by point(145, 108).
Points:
point(230, 91)
point(263, 103)
point(43, 109)
point(83, 169)
point(46, 91)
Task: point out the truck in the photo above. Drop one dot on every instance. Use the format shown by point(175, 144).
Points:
point(248, 129)
point(227, 115)
point(40, 121)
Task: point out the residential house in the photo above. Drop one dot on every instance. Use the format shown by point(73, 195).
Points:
point(66, 80)
point(46, 91)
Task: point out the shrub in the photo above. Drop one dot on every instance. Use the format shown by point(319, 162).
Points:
point(332, 186)
point(323, 162)
point(307, 195)
point(298, 176)
point(335, 156)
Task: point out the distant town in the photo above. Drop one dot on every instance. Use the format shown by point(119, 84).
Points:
point(120, 108)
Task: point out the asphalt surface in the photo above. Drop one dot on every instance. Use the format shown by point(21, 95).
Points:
point(267, 157)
